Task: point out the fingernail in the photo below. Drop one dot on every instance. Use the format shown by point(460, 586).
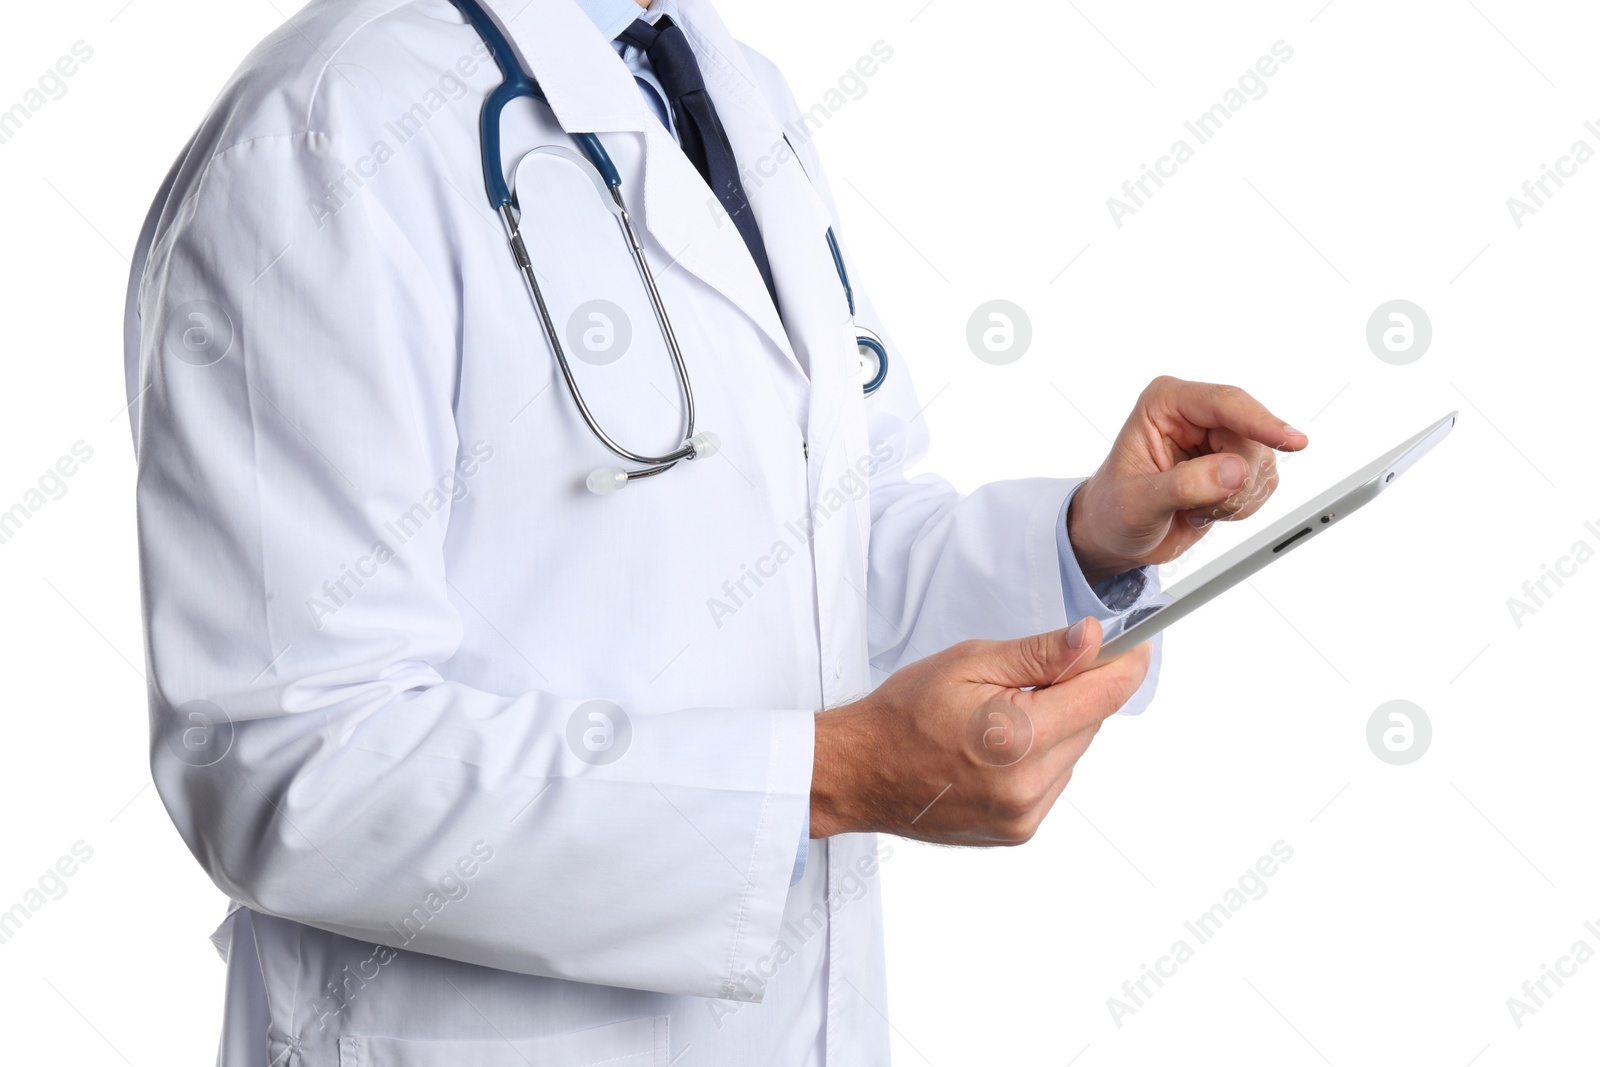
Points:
point(1232, 472)
point(1078, 633)
point(1200, 522)
point(1291, 430)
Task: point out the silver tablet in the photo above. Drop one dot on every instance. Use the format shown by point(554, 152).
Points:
point(1293, 530)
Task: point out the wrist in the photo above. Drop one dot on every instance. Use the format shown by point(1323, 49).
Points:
point(1096, 564)
point(833, 790)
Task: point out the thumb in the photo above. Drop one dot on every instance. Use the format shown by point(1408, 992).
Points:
point(1202, 482)
point(1042, 659)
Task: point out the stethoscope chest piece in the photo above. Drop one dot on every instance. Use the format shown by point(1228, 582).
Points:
point(874, 359)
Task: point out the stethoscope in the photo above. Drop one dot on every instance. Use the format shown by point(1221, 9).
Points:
point(516, 83)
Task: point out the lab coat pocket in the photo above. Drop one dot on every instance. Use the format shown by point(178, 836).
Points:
point(631, 1043)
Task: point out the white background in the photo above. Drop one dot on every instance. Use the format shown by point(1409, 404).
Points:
point(977, 165)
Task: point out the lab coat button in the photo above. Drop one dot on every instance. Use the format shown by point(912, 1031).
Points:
point(838, 668)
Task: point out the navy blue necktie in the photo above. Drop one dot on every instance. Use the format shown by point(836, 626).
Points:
point(700, 132)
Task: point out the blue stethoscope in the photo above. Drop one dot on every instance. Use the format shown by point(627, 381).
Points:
point(516, 83)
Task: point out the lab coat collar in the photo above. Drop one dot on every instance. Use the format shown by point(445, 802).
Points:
point(793, 218)
point(588, 89)
point(591, 91)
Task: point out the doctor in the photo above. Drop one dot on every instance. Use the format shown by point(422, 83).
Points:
point(501, 772)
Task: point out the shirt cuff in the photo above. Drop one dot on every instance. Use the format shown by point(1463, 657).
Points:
point(804, 853)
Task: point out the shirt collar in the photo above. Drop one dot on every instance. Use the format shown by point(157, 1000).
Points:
point(611, 17)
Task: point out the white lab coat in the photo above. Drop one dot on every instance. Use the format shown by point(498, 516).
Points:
point(378, 595)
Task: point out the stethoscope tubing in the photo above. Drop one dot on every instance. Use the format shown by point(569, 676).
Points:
point(517, 83)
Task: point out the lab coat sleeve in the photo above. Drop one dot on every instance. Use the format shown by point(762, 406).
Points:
point(298, 375)
point(946, 566)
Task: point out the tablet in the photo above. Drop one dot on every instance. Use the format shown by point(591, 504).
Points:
point(1301, 525)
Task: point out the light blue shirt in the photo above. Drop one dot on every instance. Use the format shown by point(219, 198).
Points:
point(611, 17)
point(614, 16)
point(1113, 596)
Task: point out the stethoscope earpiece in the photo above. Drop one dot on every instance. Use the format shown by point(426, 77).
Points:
point(603, 481)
